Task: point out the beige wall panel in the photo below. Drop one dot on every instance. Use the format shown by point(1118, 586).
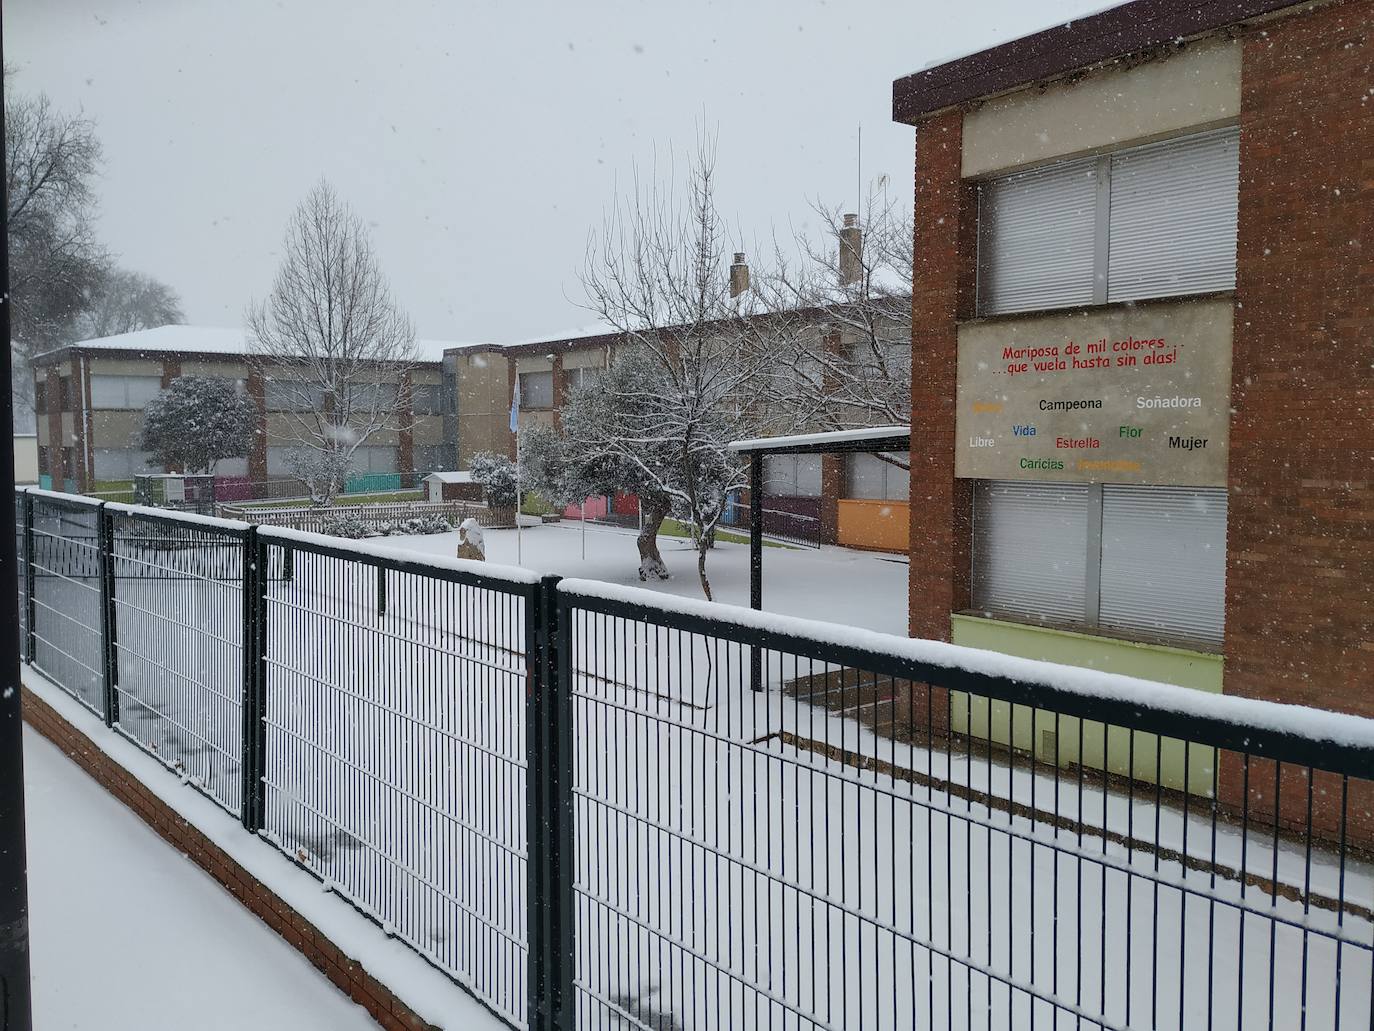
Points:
point(585, 358)
point(1195, 87)
point(534, 363)
point(481, 433)
point(215, 370)
point(1128, 394)
point(116, 428)
point(125, 367)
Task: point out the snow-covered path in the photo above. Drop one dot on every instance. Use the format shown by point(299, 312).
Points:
point(129, 934)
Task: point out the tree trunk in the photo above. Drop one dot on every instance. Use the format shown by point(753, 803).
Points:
point(701, 569)
point(650, 561)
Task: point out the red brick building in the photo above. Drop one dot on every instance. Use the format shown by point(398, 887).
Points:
point(1143, 350)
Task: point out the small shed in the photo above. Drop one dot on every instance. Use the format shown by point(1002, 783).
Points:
point(452, 487)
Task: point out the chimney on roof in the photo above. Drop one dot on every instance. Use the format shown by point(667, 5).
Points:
point(739, 276)
point(851, 251)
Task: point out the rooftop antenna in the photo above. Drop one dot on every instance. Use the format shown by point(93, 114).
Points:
point(859, 168)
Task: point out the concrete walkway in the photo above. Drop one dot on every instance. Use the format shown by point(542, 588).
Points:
point(129, 934)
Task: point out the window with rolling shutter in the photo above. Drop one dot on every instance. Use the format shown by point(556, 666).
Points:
point(1030, 550)
point(1164, 561)
point(1036, 238)
point(1139, 561)
point(1152, 221)
point(1172, 223)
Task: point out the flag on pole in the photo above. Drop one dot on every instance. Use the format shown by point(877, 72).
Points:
point(515, 408)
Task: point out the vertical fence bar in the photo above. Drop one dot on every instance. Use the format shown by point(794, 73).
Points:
point(755, 561)
point(109, 663)
point(30, 641)
point(249, 660)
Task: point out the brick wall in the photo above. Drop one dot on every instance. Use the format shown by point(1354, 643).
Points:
point(349, 976)
point(1300, 551)
point(940, 537)
point(57, 468)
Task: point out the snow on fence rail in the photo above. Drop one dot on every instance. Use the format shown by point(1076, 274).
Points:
point(571, 798)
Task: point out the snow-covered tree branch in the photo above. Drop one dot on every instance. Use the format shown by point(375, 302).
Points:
point(841, 311)
point(679, 390)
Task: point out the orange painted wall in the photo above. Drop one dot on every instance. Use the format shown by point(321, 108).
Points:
point(879, 525)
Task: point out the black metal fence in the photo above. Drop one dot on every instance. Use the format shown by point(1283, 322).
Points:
point(791, 519)
point(566, 796)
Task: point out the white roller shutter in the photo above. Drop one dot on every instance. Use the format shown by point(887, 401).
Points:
point(1030, 550)
point(1172, 221)
point(1036, 238)
point(1164, 561)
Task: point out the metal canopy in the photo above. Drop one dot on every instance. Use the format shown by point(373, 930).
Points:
point(868, 440)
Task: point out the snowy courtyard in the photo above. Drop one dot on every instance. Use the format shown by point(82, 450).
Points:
point(860, 588)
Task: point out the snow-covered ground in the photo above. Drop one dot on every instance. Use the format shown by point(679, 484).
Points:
point(858, 588)
point(130, 934)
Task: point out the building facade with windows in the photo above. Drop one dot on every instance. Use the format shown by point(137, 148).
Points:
point(853, 500)
point(90, 397)
point(1142, 318)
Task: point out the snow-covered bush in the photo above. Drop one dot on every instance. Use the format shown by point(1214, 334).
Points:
point(417, 525)
point(197, 421)
point(346, 525)
point(496, 474)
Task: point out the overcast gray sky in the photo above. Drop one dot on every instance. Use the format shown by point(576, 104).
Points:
point(481, 140)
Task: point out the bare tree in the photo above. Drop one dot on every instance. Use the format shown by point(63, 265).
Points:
point(126, 302)
point(658, 273)
point(330, 341)
point(51, 160)
point(840, 324)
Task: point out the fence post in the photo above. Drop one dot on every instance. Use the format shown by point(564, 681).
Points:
point(30, 641)
point(563, 864)
point(535, 824)
point(253, 762)
point(381, 590)
point(548, 922)
point(104, 536)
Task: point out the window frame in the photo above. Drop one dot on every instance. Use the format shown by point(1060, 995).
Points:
point(525, 402)
point(1092, 622)
point(1102, 166)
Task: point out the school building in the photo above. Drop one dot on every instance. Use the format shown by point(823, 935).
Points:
point(1141, 347)
point(90, 396)
point(855, 500)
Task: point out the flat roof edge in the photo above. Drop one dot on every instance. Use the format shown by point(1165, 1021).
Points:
point(1072, 46)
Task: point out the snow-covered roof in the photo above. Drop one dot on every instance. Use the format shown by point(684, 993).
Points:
point(180, 339)
point(463, 477)
point(821, 440)
point(597, 330)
